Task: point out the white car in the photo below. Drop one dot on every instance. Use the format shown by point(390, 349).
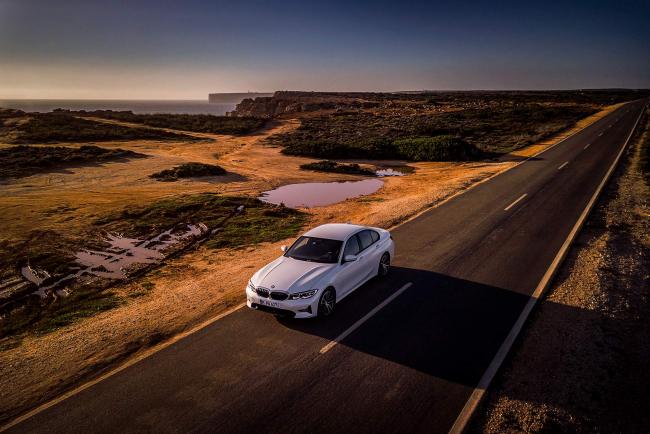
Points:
point(320, 269)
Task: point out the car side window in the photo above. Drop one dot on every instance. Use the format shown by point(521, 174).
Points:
point(375, 236)
point(365, 239)
point(352, 246)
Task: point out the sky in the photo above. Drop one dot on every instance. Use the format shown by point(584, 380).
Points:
point(186, 49)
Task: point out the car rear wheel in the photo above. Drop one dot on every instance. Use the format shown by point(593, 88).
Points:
point(327, 302)
point(384, 265)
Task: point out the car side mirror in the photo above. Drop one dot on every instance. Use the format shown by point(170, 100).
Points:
point(284, 248)
point(350, 258)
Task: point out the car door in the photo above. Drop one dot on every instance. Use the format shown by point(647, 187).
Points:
point(367, 254)
point(376, 252)
point(351, 273)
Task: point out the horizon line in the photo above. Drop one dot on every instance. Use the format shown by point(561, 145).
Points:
point(331, 91)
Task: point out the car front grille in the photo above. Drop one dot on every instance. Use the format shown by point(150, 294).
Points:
point(279, 295)
point(275, 295)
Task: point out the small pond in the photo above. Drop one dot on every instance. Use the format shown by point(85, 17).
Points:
point(312, 194)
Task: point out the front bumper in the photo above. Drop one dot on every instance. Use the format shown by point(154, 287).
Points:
point(303, 308)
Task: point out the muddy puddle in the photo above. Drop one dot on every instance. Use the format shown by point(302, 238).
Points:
point(313, 194)
point(114, 261)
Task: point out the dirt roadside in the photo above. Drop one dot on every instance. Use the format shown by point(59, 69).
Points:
point(581, 364)
point(201, 284)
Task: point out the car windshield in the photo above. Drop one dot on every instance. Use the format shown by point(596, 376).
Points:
point(315, 250)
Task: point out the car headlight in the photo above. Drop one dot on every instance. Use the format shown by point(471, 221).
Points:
point(251, 286)
point(304, 294)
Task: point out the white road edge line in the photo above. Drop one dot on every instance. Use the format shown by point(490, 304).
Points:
point(587, 145)
point(563, 165)
point(479, 391)
point(365, 318)
point(515, 202)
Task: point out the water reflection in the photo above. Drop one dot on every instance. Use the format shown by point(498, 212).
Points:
point(312, 194)
point(121, 254)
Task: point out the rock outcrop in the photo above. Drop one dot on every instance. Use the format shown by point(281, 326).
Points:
point(234, 98)
point(286, 102)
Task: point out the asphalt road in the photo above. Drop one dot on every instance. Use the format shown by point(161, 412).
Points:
point(473, 263)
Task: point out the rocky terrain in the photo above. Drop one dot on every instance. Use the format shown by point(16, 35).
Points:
point(296, 102)
point(287, 102)
point(233, 97)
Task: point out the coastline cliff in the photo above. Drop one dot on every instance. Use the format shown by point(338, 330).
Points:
point(287, 102)
point(233, 97)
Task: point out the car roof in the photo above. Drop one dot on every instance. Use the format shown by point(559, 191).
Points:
point(334, 231)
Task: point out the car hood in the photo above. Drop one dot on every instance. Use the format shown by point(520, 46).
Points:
point(291, 275)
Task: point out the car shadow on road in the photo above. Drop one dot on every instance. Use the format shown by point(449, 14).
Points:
point(442, 326)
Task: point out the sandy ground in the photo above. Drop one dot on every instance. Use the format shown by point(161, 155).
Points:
point(582, 363)
point(78, 194)
point(200, 284)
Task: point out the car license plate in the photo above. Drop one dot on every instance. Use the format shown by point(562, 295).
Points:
point(268, 303)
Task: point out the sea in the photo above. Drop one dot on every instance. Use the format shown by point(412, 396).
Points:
point(136, 106)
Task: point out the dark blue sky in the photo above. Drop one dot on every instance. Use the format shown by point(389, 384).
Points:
point(164, 49)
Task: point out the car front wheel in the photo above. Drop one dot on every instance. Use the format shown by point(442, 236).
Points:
point(326, 303)
point(384, 265)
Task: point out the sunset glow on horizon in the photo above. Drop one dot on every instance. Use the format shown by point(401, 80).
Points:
point(168, 50)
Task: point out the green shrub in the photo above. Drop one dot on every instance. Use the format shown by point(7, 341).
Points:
point(500, 125)
point(324, 149)
point(266, 221)
point(19, 161)
point(438, 148)
point(62, 127)
point(333, 166)
point(201, 123)
point(44, 319)
point(189, 170)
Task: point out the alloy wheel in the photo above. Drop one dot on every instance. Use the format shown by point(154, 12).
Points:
point(384, 264)
point(326, 303)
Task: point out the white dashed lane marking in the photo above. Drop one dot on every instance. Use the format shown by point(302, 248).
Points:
point(516, 201)
point(365, 318)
